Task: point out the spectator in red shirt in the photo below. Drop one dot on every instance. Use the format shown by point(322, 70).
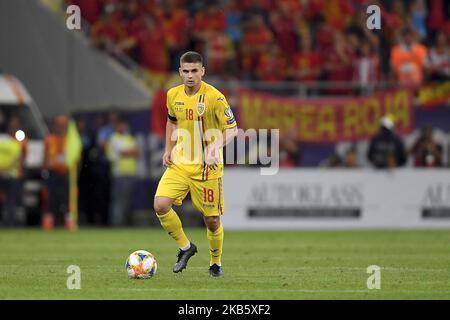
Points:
point(175, 21)
point(108, 30)
point(337, 13)
point(132, 20)
point(307, 63)
point(257, 38)
point(339, 62)
point(323, 34)
point(271, 65)
point(220, 54)
point(312, 8)
point(132, 15)
point(152, 48)
point(209, 21)
point(393, 20)
point(257, 35)
point(284, 30)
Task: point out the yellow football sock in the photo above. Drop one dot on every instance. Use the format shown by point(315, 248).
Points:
point(172, 224)
point(215, 245)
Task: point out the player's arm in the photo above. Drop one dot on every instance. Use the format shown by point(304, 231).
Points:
point(228, 134)
point(229, 131)
point(171, 127)
point(212, 157)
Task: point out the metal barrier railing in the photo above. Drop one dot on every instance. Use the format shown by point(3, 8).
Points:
point(306, 89)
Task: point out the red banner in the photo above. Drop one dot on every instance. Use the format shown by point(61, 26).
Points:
point(325, 120)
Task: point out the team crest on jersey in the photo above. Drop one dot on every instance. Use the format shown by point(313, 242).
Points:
point(201, 105)
point(200, 109)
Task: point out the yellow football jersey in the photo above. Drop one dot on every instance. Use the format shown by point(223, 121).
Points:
point(201, 119)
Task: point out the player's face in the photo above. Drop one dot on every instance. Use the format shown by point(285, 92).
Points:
point(192, 74)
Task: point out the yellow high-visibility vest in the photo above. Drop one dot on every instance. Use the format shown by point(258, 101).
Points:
point(121, 166)
point(10, 154)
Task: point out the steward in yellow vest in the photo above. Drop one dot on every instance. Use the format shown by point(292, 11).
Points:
point(123, 153)
point(12, 159)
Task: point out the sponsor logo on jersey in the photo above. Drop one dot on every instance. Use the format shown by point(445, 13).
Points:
point(179, 103)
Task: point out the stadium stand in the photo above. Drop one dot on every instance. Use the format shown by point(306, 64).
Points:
point(274, 41)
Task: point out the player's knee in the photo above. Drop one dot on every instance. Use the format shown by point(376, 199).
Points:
point(162, 205)
point(212, 223)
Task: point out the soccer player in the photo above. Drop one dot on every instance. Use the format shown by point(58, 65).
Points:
point(200, 123)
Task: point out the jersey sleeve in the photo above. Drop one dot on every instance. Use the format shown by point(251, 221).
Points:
point(224, 113)
point(170, 112)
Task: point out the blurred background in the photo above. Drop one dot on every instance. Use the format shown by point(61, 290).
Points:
point(363, 114)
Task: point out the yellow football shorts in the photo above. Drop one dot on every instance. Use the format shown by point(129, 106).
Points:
point(207, 196)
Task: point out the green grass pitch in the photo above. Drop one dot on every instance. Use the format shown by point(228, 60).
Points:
point(257, 265)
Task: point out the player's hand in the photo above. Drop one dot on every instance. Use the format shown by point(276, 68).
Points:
point(212, 157)
point(167, 159)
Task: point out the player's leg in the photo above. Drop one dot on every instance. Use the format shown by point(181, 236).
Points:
point(207, 197)
point(214, 232)
point(170, 221)
point(172, 189)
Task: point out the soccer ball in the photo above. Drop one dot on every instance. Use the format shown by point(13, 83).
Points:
point(141, 264)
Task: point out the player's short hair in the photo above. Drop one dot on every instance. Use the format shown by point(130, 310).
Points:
point(191, 57)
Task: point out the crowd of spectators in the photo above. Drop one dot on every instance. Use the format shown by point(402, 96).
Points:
point(388, 150)
point(279, 40)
